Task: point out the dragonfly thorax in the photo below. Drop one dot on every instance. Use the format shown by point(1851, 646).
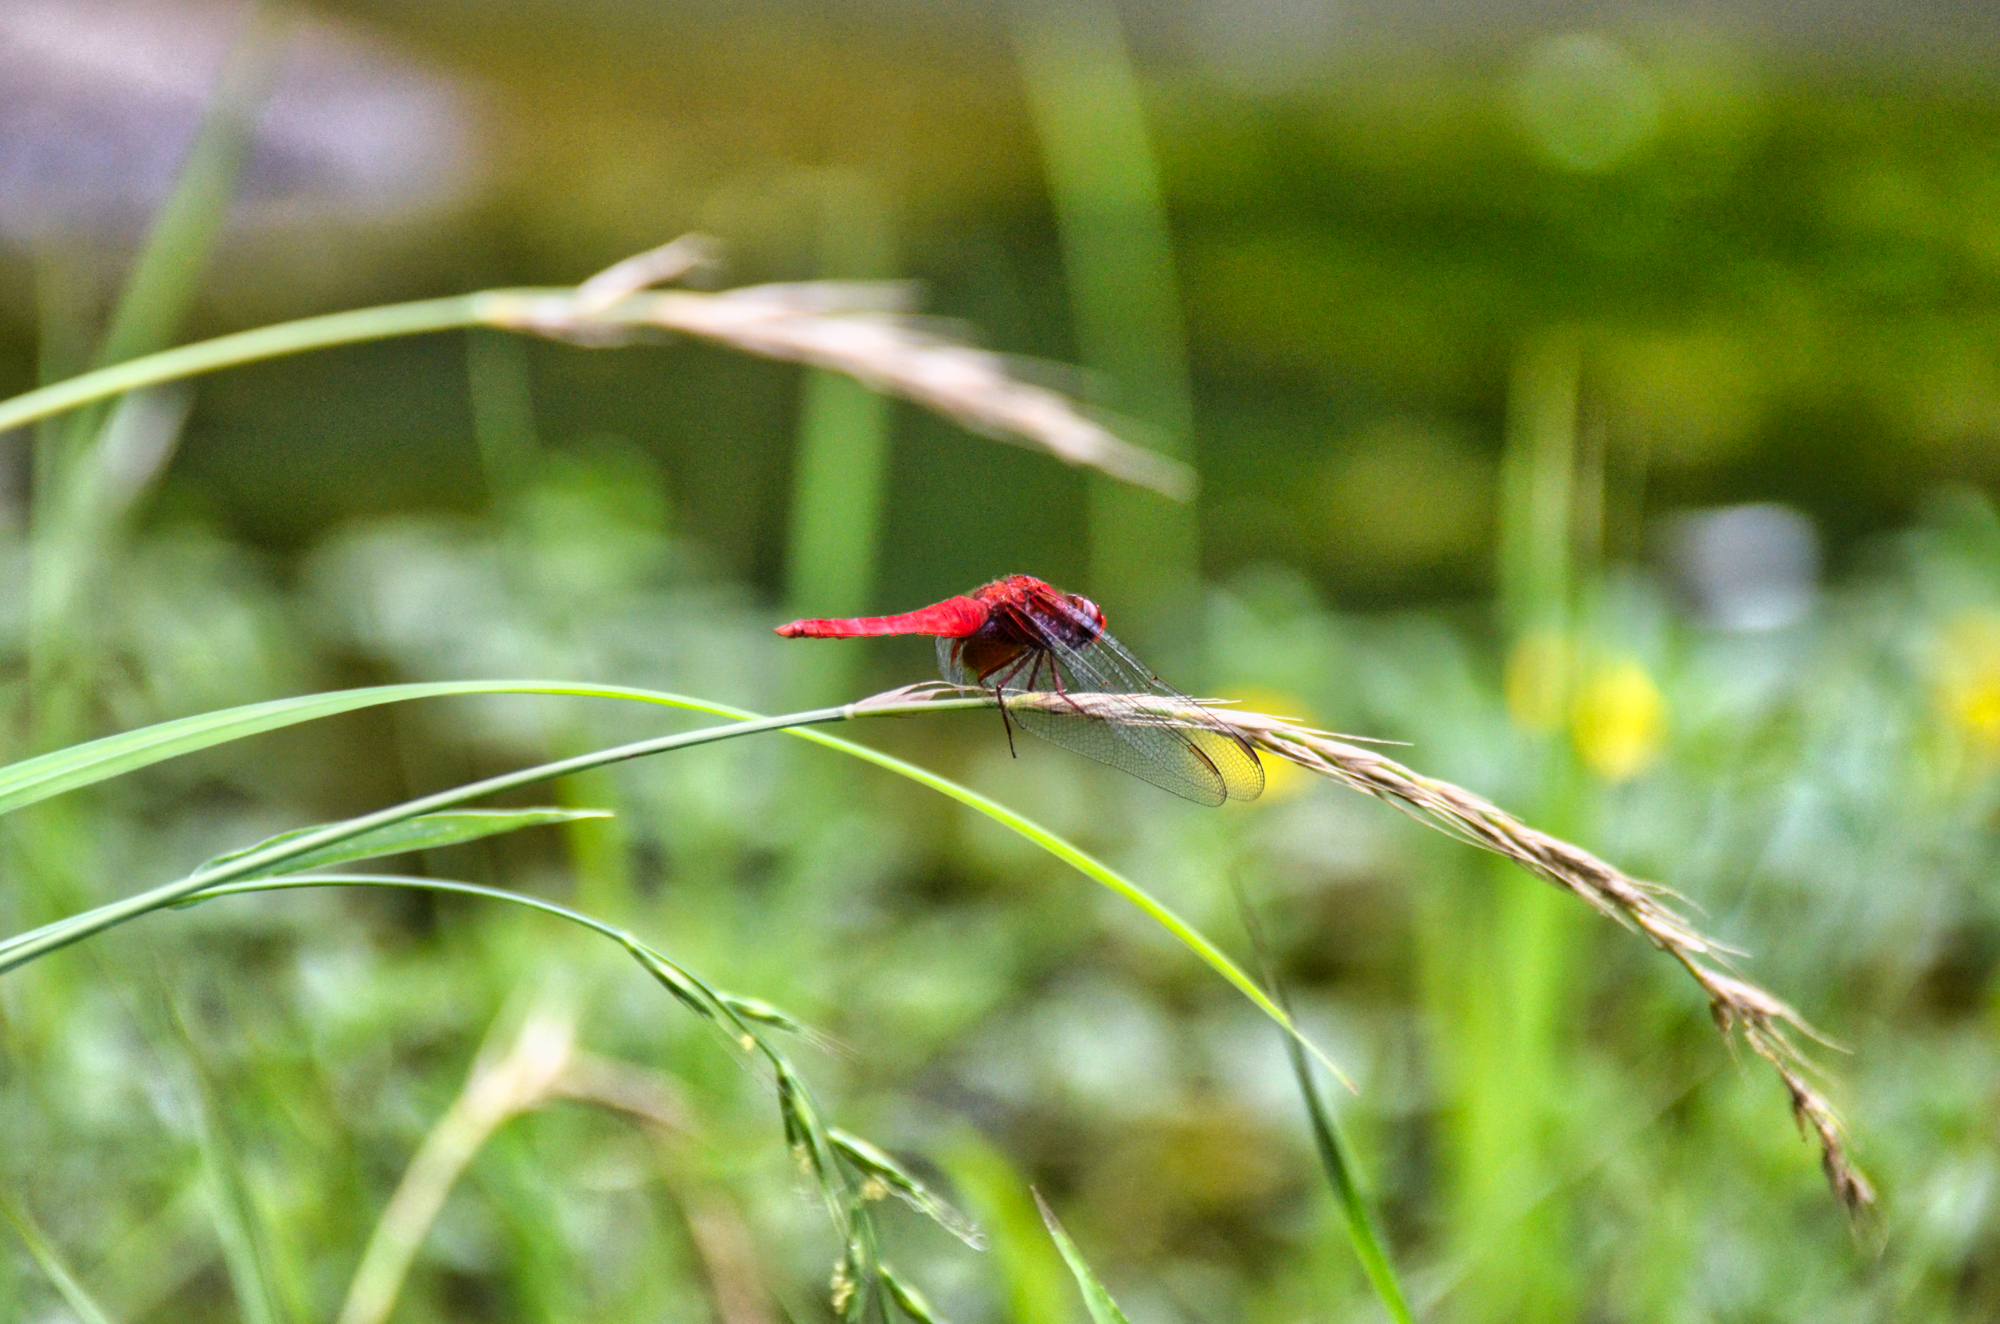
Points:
point(1025, 611)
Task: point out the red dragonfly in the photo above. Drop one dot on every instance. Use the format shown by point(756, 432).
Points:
point(1019, 635)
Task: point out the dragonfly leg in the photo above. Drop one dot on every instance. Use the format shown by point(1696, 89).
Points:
point(1005, 724)
point(1000, 700)
point(1055, 675)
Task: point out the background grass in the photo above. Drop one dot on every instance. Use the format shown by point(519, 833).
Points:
point(1445, 388)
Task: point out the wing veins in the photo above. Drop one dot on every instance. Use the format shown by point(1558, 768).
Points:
point(1189, 772)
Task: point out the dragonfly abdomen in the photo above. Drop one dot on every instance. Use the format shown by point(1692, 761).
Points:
point(954, 618)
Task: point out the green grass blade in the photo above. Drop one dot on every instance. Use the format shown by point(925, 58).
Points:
point(244, 1252)
point(1337, 1160)
point(1088, 106)
point(805, 1132)
point(873, 1162)
point(1103, 1310)
point(803, 1129)
point(239, 1230)
point(265, 342)
point(35, 943)
point(699, 997)
point(500, 390)
point(37, 778)
point(1336, 1157)
point(76, 511)
point(1033, 1277)
point(1094, 869)
point(913, 1303)
point(52, 1265)
point(402, 881)
point(169, 270)
point(425, 832)
point(840, 473)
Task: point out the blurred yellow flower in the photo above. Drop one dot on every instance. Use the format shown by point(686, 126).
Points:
point(1968, 677)
point(1537, 680)
point(1619, 720)
point(1281, 777)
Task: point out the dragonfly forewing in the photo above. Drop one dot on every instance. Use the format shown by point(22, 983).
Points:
point(1161, 755)
point(1176, 745)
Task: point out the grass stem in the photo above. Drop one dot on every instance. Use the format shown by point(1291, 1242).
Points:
point(524, 1078)
point(833, 325)
point(269, 857)
point(1103, 177)
point(1335, 1154)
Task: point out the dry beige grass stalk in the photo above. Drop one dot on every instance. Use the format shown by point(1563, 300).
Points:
point(501, 1086)
point(1765, 1021)
point(541, 1066)
point(861, 329)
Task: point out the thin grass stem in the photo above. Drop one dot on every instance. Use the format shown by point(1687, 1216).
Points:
point(269, 342)
point(844, 327)
point(26, 947)
point(1089, 111)
point(1336, 1156)
point(493, 1095)
point(164, 280)
point(270, 856)
point(525, 1078)
point(526, 900)
point(53, 1266)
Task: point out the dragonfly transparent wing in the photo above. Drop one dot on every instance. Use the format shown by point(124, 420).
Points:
point(1226, 761)
point(1197, 757)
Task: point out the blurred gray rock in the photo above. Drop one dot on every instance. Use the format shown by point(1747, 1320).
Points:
point(101, 99)
point(1751, 567)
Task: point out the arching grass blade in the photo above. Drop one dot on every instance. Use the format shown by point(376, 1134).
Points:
point(60, 770)
point(38, 778)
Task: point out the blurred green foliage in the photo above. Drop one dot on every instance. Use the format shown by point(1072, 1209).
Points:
point(1778, 281)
